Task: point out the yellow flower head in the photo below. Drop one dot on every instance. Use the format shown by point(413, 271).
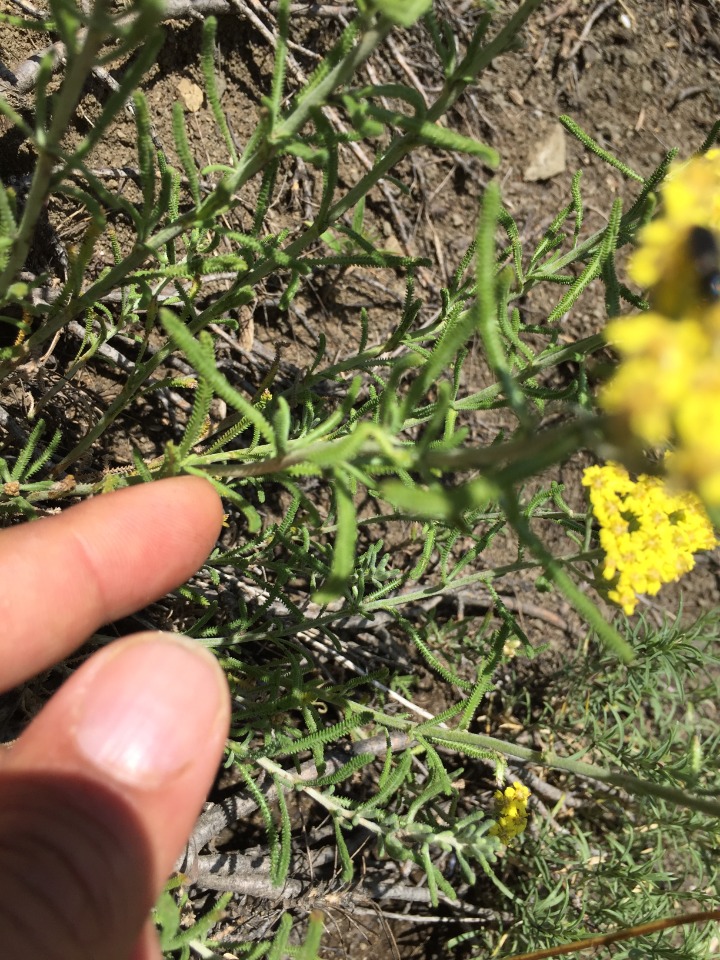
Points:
point(648, 532)
point(511, 813)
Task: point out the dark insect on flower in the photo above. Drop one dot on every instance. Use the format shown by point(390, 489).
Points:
point(705, 256)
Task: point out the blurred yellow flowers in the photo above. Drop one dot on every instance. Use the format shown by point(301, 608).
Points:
point(664, 261)
point(667, 386)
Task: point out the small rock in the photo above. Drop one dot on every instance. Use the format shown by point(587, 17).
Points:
point(393, 245)
point(191, 94)
point(630, 58)
point(548, 156)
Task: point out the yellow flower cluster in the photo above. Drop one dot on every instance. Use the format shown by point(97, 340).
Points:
point(648, 533)
point(511, 812)
point(667, 386)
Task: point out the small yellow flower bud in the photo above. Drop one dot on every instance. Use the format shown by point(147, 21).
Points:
point(511, 813)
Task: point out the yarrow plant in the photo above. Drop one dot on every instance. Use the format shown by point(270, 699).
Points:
point(649, 533)
point(375, 488)
point(667, 387)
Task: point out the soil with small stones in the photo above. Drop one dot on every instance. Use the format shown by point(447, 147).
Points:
point(640, 77)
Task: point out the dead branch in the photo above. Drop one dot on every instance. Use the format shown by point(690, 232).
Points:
point(262, 888)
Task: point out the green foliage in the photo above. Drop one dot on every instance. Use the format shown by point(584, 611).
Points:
point(403, 12)
point(168, 919)
point(600, 861)
point(363, 509)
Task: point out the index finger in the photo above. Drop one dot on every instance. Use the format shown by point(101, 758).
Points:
point(64, 576)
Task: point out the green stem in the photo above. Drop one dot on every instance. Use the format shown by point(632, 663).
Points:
point(297, 782)
point(515, 459)
point(555, 570)
point(442, 736)
point(546, 758)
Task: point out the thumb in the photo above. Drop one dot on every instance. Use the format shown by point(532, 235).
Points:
point(98, 796)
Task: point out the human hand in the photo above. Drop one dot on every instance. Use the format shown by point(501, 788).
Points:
point(99, 794)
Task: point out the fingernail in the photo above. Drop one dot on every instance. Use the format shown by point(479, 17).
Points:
point(150, 705)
